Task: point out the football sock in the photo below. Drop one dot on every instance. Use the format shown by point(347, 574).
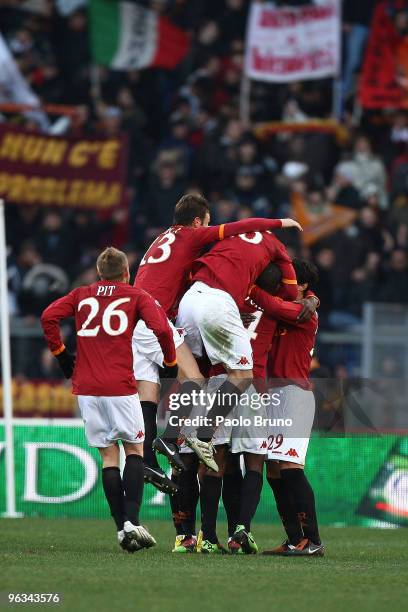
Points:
point(250, 496)
point(188, 498)
point(210, 493)
point(226, 398)
point(113, 488)
point(231, 498)
point(172, 432)
point(149, 410)
point(174, 505)
point(286, 510)
point(304, 501)
point(133, 483)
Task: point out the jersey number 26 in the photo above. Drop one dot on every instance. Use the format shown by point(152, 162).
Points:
point(111, 311)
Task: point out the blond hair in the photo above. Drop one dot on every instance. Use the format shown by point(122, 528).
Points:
point(112, 264)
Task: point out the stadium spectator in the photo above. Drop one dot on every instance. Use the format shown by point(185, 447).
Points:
point(368, 169)
point(185, 133)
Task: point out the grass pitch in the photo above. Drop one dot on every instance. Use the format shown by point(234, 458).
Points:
point(362, 570)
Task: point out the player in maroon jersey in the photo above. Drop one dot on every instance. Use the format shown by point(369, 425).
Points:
point(288, 369)
point(164, 272)
point(106, 313)
point(241, 497)
point(209, 311)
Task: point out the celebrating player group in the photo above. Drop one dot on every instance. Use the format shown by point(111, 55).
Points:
point(219, 326)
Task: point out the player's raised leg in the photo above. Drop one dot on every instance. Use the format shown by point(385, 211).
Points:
point(153, 473)
point(192, 382)
point(211, 319)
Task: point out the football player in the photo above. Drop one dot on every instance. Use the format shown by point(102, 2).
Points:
point(106, 314)
point(288, 368)
point(246, 440)
point(164, 272)
point(209, 314)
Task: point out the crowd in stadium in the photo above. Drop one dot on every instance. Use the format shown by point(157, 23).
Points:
point(185, 134)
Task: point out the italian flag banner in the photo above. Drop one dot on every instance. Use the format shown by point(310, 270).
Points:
point(127, 36)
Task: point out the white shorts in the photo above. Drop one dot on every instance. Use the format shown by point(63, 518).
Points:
point(239, 430)
point(249, 435)
point(111, 418)
point(288, 437)
point(147, 353)
point(210, 319)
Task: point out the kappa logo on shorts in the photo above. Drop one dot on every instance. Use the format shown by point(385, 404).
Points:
point(140, 434)
point(292, 453)
point(243, 361)
point(264, 444)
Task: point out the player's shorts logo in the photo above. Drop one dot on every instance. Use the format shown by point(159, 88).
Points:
point(243, 361)
point(292, 453)
point(140, 434)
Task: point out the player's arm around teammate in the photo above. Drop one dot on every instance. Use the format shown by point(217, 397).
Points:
point(163, 272)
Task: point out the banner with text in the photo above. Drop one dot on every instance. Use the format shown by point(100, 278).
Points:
point(62, 171)
point(358, 480)
point(287, 44)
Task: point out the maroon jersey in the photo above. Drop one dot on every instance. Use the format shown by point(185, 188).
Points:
point(165, 268)
point(292, 347)
point(261, 332)
point(105, 316)
point(234, 265)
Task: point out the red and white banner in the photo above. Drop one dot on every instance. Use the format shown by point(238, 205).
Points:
point(293, 44)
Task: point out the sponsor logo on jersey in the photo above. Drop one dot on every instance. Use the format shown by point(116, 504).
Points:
point(292, 453)
point(243, 361)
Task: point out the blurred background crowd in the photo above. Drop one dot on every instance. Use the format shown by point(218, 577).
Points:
point(186, 134)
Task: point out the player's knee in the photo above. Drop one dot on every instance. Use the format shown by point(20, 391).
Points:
point(203, 471)
point(273, 469)
point(254, 463)
point(110, 455)
point(232, 464)
point(241, 374)
point(148, 391)
point(188, 368)
point(241, 378)
point(133, 449)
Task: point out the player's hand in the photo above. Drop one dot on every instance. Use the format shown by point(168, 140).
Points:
point(169, 371)
point(309, 306)
point(66, 362)
point(291, 223)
